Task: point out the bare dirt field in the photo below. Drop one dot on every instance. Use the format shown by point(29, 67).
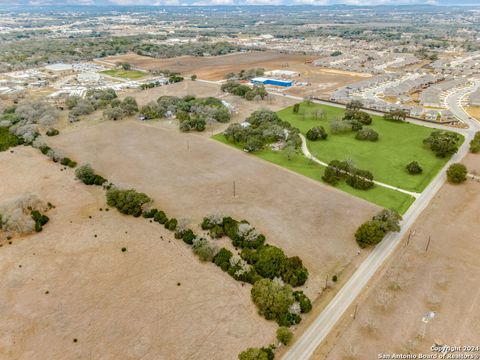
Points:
point(69, 292)
point(443, 279)
point(472, 162)
point(191, 176)
point(214, 67)
point(203, 89)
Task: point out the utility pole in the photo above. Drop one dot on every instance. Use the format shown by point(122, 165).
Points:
point(234, 189)
point(355, 312)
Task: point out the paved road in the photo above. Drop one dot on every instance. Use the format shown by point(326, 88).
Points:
point(308, 155)
point(305, 345)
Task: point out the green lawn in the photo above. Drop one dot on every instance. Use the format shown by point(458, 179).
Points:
point(381, 196)
point(398, 144)
point(127, 74)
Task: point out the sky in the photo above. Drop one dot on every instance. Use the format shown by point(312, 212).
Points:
point(242, 2)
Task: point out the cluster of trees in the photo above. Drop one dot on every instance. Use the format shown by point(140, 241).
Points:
point(193, 49)
point(246, 74)
point(256, 92)
point(457, 173)
point(87, 175)
point(354, 120)
point(150, 85)
point(373, 231)
point(345, 170)
point(193, 113)
point(56, 155)
point(119, 109)
point(31, 53)
point(257, 260)
point(414, 168)
point(175, 78)
point(395, 115)
point(94, 99)
point(128, 202)
point(317, 133)
point(443, 143)
point(25, 120)
point(23, 215)
point(277, 301)
point(475, 143)
point(263, 127)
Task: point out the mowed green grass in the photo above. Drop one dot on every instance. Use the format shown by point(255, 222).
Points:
point(398, 145)
point(381, 196)
point(126, 74)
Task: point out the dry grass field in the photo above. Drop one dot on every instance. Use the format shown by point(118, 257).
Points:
point(191, 176)
point(214, 67)
point(443, 279)
point(69, 292)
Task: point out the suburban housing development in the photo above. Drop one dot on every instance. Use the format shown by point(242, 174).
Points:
point(239, 180)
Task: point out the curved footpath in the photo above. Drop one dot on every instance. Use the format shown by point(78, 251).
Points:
point(308, 155)
point(305, 345)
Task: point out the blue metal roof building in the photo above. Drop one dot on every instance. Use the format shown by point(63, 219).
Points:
point(267, 81)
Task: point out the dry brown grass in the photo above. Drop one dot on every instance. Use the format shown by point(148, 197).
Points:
point(64, 283)
point(444, 280)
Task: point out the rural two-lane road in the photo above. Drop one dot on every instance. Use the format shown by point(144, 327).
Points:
point(304, 347)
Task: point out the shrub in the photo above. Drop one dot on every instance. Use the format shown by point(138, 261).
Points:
point(222, 259)
point(288, 319)
point(317, 133)
point(254, 354)
point(149, 214)
point(340, 127)
point(39, 219)
point(475, 143)
point(128, 202)
point(188, 236)
point(272, 298)
point(204, 249)
point(52, 132)
point(367, 134)
point(160, 217)
point(87, 175)
point(68, 162)
point(370, 233)
point(303, 300)
point(414, 168)
point(457, 173)
point(284, 335)
point(171, 224)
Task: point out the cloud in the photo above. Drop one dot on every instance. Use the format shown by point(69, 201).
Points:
point(214, 2)
point(261, 2)
point(311, 2)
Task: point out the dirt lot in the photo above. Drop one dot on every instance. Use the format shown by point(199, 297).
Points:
point(214, 67)
point(323, 81)
point(190, 176)
point(443, 279)
point(203, 89)
point(154, 301)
